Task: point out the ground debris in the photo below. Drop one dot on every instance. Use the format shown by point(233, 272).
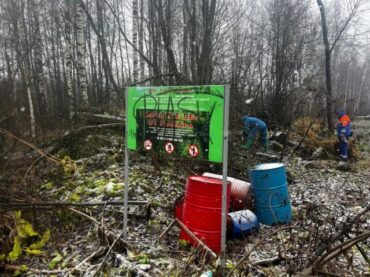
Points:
point(324, 198)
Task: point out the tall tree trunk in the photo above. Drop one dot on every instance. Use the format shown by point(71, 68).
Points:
point(135, 61)
point(185, 41)
point(81, 52)
point(205, 66)
point(69, 59)
point(328, 91)
point(164, 25)
point(38, 76)
point(141, 40)
point(103, 44)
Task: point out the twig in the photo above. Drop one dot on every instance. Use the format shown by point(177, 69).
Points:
point(167, 230)
point(194, 237)
point(340, 249)
point(98, 252)
point(29, 169)
point(268, 262)
point(9, 267)
point(106, 254)
point(255, 246)
point(84, 215)
point(321, 249)
point(363, 253)
point(38, 150)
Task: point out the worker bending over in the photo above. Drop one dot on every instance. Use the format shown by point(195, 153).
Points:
point(251, 127)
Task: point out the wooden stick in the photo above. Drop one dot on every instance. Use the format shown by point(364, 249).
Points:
point(98, 252)
point(9, 267)
point(84, 215)
point(191, 234)
point(268, 262)
point(255, 246)
point(167, 230)
point(73, 204)
point(106, 254)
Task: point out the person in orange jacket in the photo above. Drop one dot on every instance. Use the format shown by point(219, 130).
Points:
point(344, 131)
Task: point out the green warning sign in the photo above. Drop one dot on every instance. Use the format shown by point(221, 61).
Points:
point(184, 121)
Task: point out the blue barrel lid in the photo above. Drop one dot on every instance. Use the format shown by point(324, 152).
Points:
point(267, 166)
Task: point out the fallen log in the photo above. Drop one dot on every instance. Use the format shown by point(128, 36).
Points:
point(53, 146)
point(102, 118)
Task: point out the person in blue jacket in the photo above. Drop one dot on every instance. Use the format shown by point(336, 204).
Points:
point(344, 131)
point(251, 127)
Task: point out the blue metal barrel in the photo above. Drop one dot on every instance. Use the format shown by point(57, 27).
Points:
point(270, 191)
point(244, 222)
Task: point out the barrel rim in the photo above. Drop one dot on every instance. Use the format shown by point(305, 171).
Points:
point(208, 180)
point(267, 166)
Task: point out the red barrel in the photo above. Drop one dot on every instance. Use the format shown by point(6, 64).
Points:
point(240, 194)
point(202, 210)
point(179, 206)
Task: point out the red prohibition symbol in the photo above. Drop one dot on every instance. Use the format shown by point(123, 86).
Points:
point(148, 145)
point(169, 147)
point(193, 151)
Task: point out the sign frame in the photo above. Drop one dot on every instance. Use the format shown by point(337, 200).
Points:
point(225, 140)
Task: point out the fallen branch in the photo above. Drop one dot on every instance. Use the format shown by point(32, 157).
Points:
point(84, 215)
point(194, 237)
point(103, 118)
point(106, 254)
point(30, 145)
point(103, 234)
point(255, 246)
point(9, 267)
point(363, 253)
point(71, 204)
point(268, 156)
point(97, 253)
point(269, 262)
point(90, 127)
point(346, 228)
point(167, 230)
point(345, 246)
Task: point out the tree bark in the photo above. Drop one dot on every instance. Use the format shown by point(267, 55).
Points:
point(135, 61)
point(69, 59)
point(328, 86)
point(81, 54)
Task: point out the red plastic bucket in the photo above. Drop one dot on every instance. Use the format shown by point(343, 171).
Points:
point(202, 210)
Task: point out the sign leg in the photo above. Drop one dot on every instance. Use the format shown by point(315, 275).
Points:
point(224, 179)
point(125, 199)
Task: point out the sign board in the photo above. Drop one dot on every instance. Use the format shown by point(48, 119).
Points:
point(185, 121)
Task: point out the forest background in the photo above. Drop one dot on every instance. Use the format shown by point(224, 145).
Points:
point(59, 58)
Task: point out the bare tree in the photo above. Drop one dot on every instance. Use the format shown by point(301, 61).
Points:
point(354, 7)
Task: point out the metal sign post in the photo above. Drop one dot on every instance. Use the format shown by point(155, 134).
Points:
point(126, 173)
point(224, 177)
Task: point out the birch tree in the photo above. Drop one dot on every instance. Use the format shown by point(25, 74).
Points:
point(81, 54)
